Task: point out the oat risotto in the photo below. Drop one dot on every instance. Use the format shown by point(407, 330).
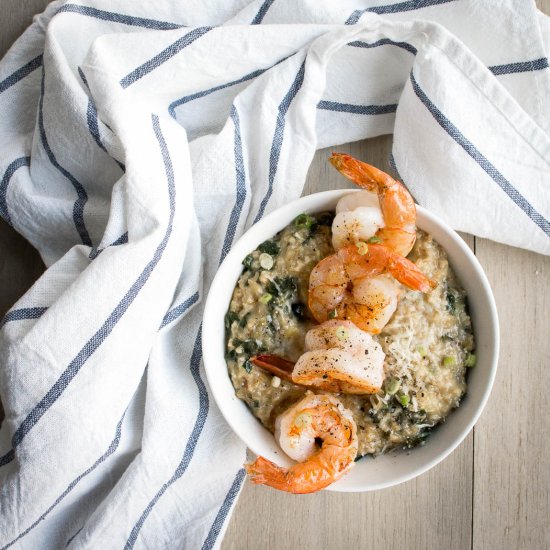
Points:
point(428, 342)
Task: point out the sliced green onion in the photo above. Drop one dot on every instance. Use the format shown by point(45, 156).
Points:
point(422, 351)
point(341, 333)
point(404, 400)
point(332, 314)
point(265, 298)
point(392, 385)
point(362, 248)
point(449, 361)
point(266, 261)
point(374, 240)
point(304, 220)
point(470, 360)
point(247, 366)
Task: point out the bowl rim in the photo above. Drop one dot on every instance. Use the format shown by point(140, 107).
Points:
point(211, 357)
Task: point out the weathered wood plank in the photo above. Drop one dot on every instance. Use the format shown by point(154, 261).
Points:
point(512, 455)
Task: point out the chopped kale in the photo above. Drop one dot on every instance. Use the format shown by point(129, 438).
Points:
point(451, 303)
point(244, 320)
point(247, 366)
point(269, 247)
point(299, 310)
point(304, 221)
point(230, 317)
point(248, 262)
point(250, 347)
point(282, 287)
point(231, 355)
point(419, 439)
point(325, 218)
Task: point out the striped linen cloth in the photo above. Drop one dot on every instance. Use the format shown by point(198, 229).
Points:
point(138, 140)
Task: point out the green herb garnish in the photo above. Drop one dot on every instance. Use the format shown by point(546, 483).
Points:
point(451, 303)
point(265, 298)
point(230, 318)
point(304, 221)
point(247, 366)
point(392, 385)
point(449, 361)
point(269, 247)
point(248, 262)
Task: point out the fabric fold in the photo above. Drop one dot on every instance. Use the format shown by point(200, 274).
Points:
point(139, 141)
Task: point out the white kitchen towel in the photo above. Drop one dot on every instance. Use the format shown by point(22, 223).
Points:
point(138, 140)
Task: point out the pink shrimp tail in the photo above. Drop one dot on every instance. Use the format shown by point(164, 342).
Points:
point(362, 174)
point(261, 470)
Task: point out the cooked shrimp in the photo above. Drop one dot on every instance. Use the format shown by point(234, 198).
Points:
point(355, 284)
point(385, 210)
point(297, 430)
point(339, 358)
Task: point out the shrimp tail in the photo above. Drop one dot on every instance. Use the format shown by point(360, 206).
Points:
point(362, 174)
point(301, 478)
point(264, 472)
point(275, 365)
point(408, 274)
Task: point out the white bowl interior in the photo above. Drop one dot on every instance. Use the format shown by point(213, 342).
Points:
point(395, 467)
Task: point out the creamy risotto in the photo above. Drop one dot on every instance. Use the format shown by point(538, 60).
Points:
point(428, 342)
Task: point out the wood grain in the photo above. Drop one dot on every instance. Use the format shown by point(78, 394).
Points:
point(512, 453)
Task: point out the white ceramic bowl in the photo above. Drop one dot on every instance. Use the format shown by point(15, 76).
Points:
point(396, 467)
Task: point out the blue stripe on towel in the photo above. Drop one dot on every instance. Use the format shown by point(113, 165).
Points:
point(172, 107)
point(10, 170)
point(21, 73)
point(179, 310)
point(507, 68)
point(93, 121)
point(186, 99)
point(95, 252)
point(23, 313)
point(520, 67)
point(119, 17)
point(357, 109)
point(110, 450)
point(483, 162)
point(82, 196)
point(258, 18)
point(279, 136)
point(163, 56)
point(191, 442)
point(240, 184)
point(240, 178)
point(106, 328)
point(395, 8)
point(224, 510)
point(384, 42)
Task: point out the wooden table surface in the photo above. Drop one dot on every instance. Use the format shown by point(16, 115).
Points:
point(492, 492)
